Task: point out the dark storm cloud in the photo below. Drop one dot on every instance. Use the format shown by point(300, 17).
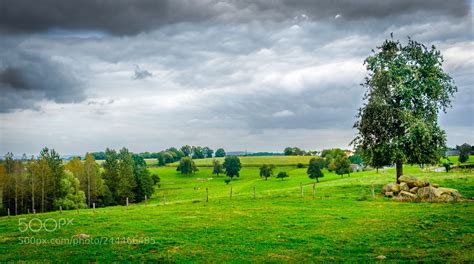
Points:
point(27, 78)
point(123, 17)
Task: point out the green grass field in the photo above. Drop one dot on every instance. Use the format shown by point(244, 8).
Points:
point(255, 161)
point(341, 223)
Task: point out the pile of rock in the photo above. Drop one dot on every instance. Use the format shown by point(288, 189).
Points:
point(411, 188)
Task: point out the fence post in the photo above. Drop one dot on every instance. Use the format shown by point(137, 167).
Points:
point(314, 190)
point(34, 211)
point(230, 192)
point(8, 212)
point(93, 206)
point(207, 195)
point(254, 190)
point(373, 191)
point(164, 199)
point(127, 201)
point(146, 200)
point(28, 211)
point(301, 188)
point(60, 209)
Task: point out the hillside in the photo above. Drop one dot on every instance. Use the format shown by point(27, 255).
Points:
point(341, 223)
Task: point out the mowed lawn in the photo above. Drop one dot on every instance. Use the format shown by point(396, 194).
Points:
point(342, 222)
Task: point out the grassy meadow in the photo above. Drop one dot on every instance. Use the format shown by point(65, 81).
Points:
point(342, 222)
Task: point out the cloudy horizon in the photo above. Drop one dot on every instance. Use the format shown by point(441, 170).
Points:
point(242, 75)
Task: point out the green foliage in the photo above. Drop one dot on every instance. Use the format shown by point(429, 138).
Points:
point(126, 178)
point(220, 153)
point(110, 174)
point(299, 165)
point(232, 166)
point(282, 175)
point(356, 159)
point(165, 157)
point(266, 171)
point(207, 152)
point(73, 197)
point(144, 182)
point(464, 151)
point(342, 165)
point(293, 151)
point(197, 152)
point(217, 167)
point(186, 150)
point(156, 179)
point(406, 89)
point(315, 168)
point(227, 180)
point(187, 166)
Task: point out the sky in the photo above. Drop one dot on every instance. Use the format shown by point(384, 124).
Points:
point(260, 75)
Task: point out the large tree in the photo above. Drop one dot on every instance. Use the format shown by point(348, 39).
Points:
point(232, 166)
point(406, 89)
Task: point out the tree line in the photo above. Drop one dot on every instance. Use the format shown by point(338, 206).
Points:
point(47, 183)
point(173, 154)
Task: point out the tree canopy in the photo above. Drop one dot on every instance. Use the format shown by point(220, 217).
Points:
point(406, 89)
point(232, 166)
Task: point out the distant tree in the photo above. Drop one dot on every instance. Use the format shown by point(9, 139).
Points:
point(227, 180)
point(406, 89)
point(315, 168)
point(464, 151)
point(217, 167)
point(93, 184)
point(187, 166)
point(187, 150)
point(266, 171)
point(294, 151)
point(126, 178)
point(207, 152)
point(288, 151)
point(220, 153)
point(232, 166)
point(55, 164)
point(156, 179)
point(144, 182)
point(165, 157)
point(342, 165)
point(111, 173)
point(355, 159)
point(282, 175)
point(299, 165)
point(74, 198)
point(197, 152)
point(177, 154)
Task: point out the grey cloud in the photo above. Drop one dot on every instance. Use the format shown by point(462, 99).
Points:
point(123, 17)
point(27, 78)
point(141, 74)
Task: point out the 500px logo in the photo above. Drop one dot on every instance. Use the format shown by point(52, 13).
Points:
point(48, 225)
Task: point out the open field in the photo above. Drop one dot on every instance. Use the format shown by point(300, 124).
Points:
point(342, 223)
point(256, 161)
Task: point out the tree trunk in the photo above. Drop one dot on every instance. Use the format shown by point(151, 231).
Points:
point(399, 170)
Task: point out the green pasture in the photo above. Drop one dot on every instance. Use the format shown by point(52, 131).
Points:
point(341, 222)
